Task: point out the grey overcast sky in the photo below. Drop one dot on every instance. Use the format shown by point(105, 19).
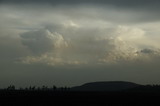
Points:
point(71, 42)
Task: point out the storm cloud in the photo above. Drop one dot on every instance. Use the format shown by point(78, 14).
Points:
point(71, 42)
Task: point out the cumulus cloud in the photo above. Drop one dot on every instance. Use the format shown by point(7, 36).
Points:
point(85, 46)
point(96, 40)
point(42, 41)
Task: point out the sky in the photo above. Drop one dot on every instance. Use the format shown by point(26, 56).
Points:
point(71, 42)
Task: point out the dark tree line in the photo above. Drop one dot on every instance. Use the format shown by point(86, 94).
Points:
point(34, 88)
point(143, 88)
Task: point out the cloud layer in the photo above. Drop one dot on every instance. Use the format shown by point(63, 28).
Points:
point(79, 41)
point(103, 46)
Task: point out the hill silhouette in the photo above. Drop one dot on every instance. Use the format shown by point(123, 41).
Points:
point(109, 93)
point(106, 86)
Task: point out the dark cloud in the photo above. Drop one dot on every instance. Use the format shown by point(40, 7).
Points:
point(135, 10)
point(117, 3)
point(147, 51)
point(152, 4)
point(37, 41)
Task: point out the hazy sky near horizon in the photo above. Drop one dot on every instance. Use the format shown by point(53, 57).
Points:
point(71, 42)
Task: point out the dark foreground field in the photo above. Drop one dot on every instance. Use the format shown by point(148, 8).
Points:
point(82, 98)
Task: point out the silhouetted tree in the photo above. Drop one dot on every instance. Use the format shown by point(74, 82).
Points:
point(26, 88)
point(54, 88)
point(32, 88)
point(38, 88)
point(21, 88)
point(11, 87)
point(44, 87)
